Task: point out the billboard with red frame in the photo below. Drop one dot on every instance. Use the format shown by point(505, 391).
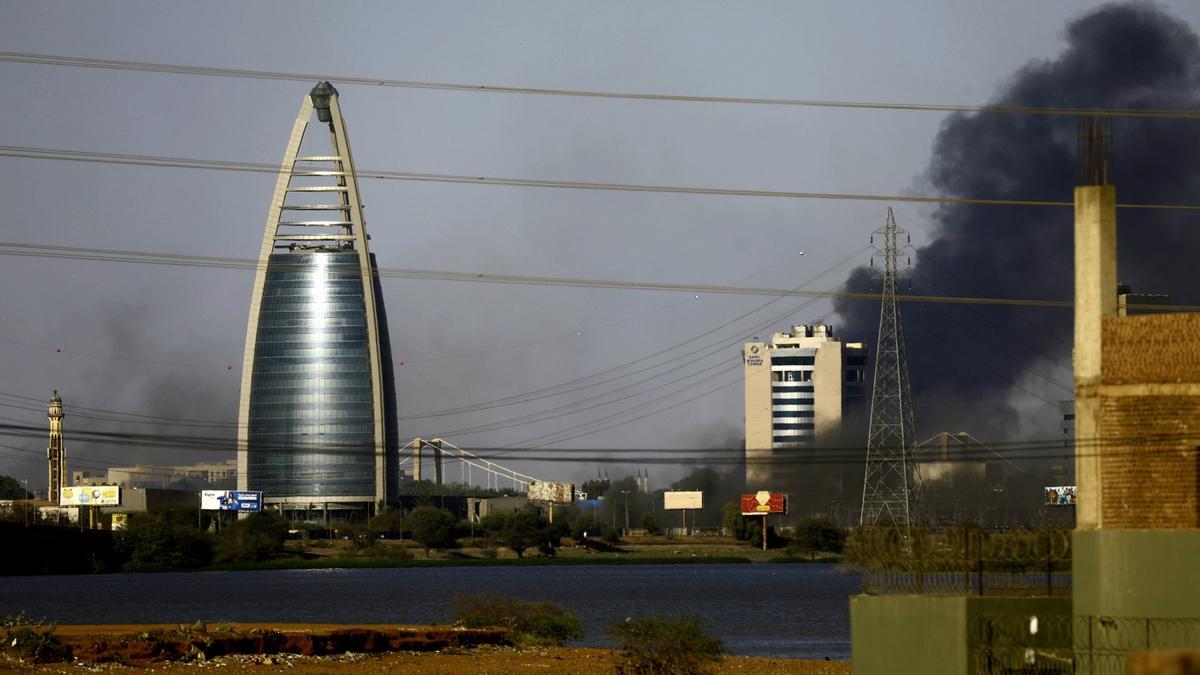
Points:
point(764, 503)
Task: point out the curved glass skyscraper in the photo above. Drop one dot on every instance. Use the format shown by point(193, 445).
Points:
point(317, 420)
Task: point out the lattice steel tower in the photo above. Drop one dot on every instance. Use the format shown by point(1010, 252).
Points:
point(892, 481)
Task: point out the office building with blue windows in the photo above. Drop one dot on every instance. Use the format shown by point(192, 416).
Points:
point(797, 387)
point(317, 415)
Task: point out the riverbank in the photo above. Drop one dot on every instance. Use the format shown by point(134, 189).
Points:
point(425, 649)
point(632, 551)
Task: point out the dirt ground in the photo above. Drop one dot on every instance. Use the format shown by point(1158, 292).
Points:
point(478, 661)
point(455, 660)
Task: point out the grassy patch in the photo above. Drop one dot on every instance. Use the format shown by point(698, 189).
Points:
point(355, 563)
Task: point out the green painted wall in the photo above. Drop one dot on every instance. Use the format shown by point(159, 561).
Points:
point(932, 635)
point(1137, 573)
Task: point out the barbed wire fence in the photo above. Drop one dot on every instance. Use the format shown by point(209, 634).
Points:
point(964, 560)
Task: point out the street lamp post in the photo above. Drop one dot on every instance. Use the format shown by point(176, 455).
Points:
point(25, 484)
point(626, 493)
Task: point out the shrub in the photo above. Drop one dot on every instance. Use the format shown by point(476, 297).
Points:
point(33, 639)
point(379, 549)
point(163, 540)
point(433, 527)
point(252, 539)
point(389, 521)
point(529, 623)
point(814, 535)
point(650, 523)
point(676, 645)
point(588, 525)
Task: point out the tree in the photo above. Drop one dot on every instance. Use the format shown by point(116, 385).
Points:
point(813, 535)
point(433, 527)
point(389, 520)
point(163, 540)
point(650, 523)
point(521, 530)
point(256, 538)
point(595, 488)
point(734, 522)
point(586, 525)
point(10, 488)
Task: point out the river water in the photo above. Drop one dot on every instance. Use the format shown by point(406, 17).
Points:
point(780, 610)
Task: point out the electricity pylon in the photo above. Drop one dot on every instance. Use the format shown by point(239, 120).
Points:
point(891, 482)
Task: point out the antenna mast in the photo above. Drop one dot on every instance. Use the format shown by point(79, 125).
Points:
point(892, 481)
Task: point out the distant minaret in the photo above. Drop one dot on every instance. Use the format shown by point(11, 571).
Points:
point(56, 455)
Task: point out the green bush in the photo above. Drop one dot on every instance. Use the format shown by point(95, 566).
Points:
point(379, 549)
point(33, 640)
point(433, 527)
point(816, 535)
point(676, 645)
point(163, 540)
point(588, 524)
point(255, 538)
point(529, 623)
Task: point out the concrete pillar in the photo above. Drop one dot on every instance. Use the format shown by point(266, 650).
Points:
point(437, 461)
point(416, 458)
point(1095, 298)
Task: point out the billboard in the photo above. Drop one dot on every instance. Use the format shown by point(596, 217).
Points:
point(763, 502)
point(555, 493)
point(90, 495)
point(1060, 495)
point(120, 520)
point(683, 499)
point(230, 500)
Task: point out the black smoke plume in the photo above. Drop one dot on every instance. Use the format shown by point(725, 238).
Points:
point(969, 363)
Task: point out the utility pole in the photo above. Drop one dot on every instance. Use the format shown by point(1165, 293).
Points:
point(626, 493)
point(891, 481)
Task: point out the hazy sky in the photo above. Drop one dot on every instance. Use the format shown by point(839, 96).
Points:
point(502, 340)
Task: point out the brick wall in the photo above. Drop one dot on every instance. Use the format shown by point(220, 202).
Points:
point(1150, 422)
point(1151, 348)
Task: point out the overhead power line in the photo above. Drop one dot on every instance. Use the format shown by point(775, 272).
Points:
point(24, 152)
point(185, 260)
point(212, 71)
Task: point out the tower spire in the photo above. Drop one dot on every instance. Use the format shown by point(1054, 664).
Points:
point(56, 454)
point(891, 481)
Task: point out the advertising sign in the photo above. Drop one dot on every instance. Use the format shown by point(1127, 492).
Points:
point(555, 493)
point(1060, 495)
point(90, 495)
point(230, 500)
point(763, 503)
point(683, 499)
point(120, 520)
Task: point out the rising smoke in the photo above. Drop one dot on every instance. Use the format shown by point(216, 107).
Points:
point(970, 365)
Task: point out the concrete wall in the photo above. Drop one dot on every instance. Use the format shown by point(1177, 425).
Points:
point(828, 376)
point(758, 413)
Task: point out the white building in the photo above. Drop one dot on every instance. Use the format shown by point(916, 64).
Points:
point(797, 387)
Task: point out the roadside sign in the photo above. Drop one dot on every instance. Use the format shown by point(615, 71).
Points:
point(764, 502)
point(683, 499)
point(90, 495)
point(230, 500)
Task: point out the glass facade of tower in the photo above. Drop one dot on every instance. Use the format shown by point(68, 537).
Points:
point(311, 422)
